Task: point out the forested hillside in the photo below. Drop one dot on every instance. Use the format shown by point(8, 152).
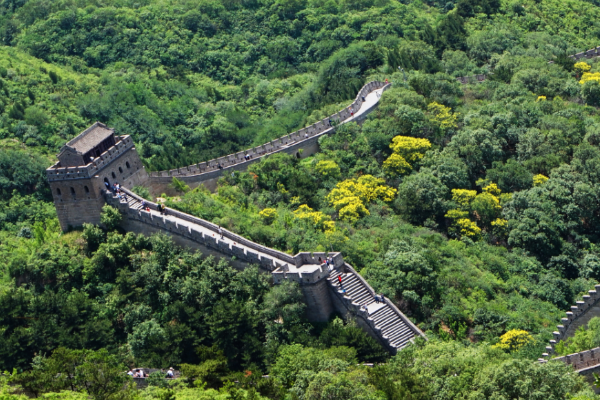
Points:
point(474, 208)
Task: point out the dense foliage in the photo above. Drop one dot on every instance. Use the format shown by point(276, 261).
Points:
point(475, 208)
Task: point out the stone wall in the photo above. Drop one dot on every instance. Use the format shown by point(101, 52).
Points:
point(302, 143)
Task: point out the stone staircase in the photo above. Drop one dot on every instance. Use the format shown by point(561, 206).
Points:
point(383, 317)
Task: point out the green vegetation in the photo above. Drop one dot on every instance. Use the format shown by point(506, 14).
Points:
point(474, 208)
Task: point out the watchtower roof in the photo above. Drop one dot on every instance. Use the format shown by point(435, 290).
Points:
point(90, 138)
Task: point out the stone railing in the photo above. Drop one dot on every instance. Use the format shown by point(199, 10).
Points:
point(582, 360)
point(587, 54)
point(276, 145)
point(472, 78)
point(579, 315)
point(279, 258)
point(57, 173)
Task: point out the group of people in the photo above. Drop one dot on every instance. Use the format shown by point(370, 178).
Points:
point(139, 373)
point(116, 190)
point(159, 207)
point(328, 261)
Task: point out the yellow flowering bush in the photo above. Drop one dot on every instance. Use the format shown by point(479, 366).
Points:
point(541, 98)
point(468, 228)
point(442, 115)
point(457, 214)
point(514, 340)
point(350, 197)
point(590, 76)
point(500, 226)
point(492, 189)
point(463, 197)
point(396, 165)
point(539, 179)
point(410, 148)
point(268, 215)
point(318, 219)
point(407, 150)
point(328, 168)
point(462, 225)
point(582, 67)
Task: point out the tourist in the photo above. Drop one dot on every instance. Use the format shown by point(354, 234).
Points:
point(340, 280)
point(376, 298)
point(107, 186)
point(220, 232)
point(320, 261)
point(143, 204)
point(382, 298)
point(170, 373)
point(363, 99)
point(130, 373)
point(306, 135)
point(329, 121)
point(159, 208)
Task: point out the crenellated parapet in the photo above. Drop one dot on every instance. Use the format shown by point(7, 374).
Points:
point(60, 173)
point(579, 315)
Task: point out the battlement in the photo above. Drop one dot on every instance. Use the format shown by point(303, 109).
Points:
point(579, 315)
point(60, 173)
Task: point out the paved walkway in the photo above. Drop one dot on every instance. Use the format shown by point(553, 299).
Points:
point(135, 204)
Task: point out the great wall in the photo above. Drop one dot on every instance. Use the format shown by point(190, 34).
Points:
point(91, 162)
point(78, 183)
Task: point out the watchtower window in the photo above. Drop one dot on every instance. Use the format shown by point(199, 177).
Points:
point(113, 175)
point(58, 192)
point(73, 192)
point(120, 170)
point(127, 164)
point(86, 189)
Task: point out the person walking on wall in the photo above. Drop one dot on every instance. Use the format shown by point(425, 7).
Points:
point(170, 373)
point(376, 298)
point(340, 280)
point(220, 232)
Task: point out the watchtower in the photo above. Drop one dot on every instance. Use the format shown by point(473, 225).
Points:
point(87, 163)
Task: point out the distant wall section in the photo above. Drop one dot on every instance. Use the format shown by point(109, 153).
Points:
point(302, 143)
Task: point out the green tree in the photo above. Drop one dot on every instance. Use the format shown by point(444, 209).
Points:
point(110, 217)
